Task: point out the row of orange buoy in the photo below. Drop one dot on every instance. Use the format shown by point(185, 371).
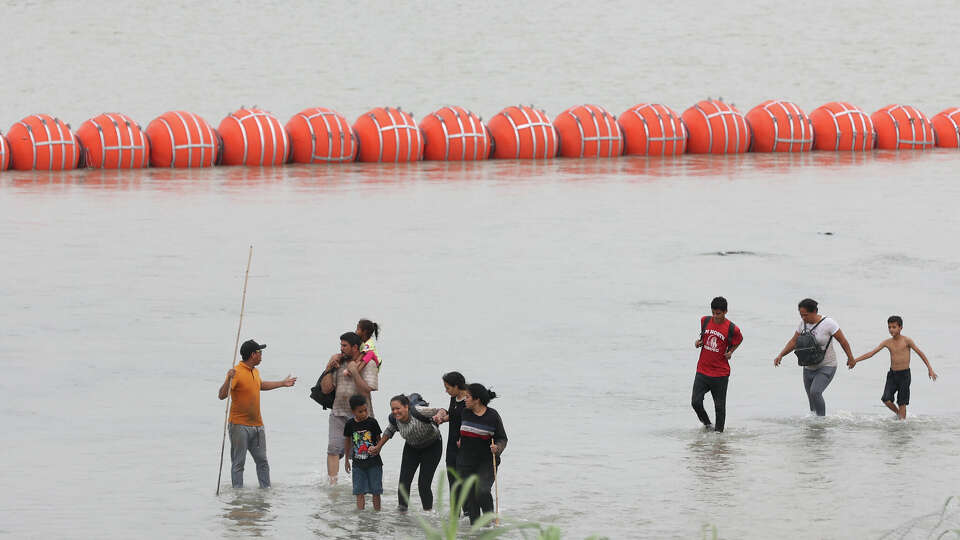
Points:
point(254, 137)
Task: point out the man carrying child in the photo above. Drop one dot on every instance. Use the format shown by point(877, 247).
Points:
point(361, 433)
point(898, 378)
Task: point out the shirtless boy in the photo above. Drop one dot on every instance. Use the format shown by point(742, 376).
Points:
point(898, 378)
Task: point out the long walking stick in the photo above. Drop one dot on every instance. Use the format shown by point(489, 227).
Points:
point(496, 488)
point(233, 360)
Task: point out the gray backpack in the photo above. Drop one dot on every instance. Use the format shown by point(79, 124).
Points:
point(807, 350)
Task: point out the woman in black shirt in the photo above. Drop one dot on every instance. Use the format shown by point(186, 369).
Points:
point(456, 387)
point(482, 439)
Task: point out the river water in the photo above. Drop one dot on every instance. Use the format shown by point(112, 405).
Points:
point(572, 287)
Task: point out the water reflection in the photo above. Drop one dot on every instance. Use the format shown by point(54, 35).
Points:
point(249, 512)
point(710, 457)
point(898, 440)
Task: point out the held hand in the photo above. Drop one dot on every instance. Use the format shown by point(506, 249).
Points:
point(697, 344)
point(493, 447)
point(374, 451)
point(289, 381)
point(776, 361)
point(931, 374)
point(728, 354)
point(851, 363)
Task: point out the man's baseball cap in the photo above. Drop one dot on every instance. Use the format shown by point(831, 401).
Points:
point(249, 347)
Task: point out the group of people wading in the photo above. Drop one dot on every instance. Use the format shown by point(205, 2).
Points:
point(812, 343)
point(475, 439)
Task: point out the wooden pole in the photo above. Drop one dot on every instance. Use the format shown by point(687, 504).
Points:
point(233, 361)
point(496, 485)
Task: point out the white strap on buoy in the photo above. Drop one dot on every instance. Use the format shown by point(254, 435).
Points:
point(951, 117)
point(540, 121)
point(132, 146)
point(854, 115)
point(256, 115)
point(202, 134)
point(405, 124)
point(343, 130)
point(724, 113)
point(49, 142)
point(792, 112)
point(913, 117)
point(594, 112)
point(476, 133)
point(661, 111)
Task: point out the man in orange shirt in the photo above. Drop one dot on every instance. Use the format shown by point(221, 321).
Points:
point(244, 385)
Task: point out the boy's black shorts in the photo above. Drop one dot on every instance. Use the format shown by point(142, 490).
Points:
point(898, 382)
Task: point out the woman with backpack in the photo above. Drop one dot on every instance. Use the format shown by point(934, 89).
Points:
point(812, 344)
point(423, 448)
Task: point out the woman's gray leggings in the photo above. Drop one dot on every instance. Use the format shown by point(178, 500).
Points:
point(815, 381)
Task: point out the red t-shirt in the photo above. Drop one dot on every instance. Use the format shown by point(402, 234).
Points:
point(712, 362)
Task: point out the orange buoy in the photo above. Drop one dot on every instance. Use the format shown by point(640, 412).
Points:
point(181, 139)
point(454, 134)
point(902, 127)
point(253, 137)
point(388, 134)
point(716, 127)
point(841, 126)
point(319, 135)
point(651, 129)
point(42, 142)
point(780, 126)
point(113, 141)
point(4, 153)
point(522, 132)
point(946, 126)
point(588, 131)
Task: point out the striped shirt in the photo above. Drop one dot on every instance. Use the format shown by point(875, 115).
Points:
point(417, 433)
point(476, 432)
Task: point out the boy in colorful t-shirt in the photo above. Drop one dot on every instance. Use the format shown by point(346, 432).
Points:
point(362, 433)
point(719, 337)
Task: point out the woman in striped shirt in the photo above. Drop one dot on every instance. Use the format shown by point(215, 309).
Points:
point(482, 439)
point(423, 448)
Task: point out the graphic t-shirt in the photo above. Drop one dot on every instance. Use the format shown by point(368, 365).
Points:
point(822, 334)
point(364, 436)
point(712, 361)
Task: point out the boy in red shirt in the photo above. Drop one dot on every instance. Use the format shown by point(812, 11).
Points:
point(719, 337)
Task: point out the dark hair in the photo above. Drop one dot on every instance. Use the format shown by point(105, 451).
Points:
point(369, 327)
point(808, 304)
point(719, 303)
point(896, 319)
point(479, 391)
point(352, 338)
point(357, 400)
point(455, 379)
point(404, 400)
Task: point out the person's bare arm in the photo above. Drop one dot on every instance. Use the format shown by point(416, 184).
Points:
point(386, 436)
point(270, 385)
point(864, 356)
point(225, 387)
point(786, 349)
point(354, 370)
point(348, 449)
point(930, 372)
point(842, 340)
point(327, 382)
